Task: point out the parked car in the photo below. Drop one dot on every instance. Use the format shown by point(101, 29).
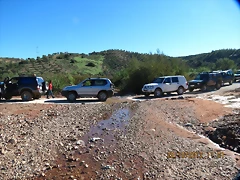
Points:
point(102, 88)
point(27, 87)
point(166, 84)
point(206, 80)
point(237, 76)
point(227, 76)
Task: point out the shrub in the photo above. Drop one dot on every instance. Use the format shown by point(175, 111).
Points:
point(90, 64)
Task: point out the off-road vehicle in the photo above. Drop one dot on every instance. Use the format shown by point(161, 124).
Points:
point(206, 80)
point(237, 76)
point(101, 88)
point(227, 76)
point(166, 84)
point(25, 86)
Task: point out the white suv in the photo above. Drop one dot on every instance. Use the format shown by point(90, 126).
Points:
point(166, 84)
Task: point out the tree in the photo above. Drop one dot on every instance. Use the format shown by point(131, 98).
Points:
point(225, 63)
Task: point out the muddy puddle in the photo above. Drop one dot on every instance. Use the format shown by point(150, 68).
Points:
point(95, 152)
point(106, 130)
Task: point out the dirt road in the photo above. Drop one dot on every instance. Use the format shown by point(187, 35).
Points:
point(134, 98)
point(119, 139)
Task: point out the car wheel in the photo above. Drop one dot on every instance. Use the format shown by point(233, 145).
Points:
point(180, 91)
point(190, 89)
point(71, 97)
point(230, 82)
point(102, 96)
point(218, 86)
point(158, 93)
point(7, 96)
point(203, 88)
point(26, 96)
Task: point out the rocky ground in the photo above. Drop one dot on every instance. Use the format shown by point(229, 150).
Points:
point(115, 140)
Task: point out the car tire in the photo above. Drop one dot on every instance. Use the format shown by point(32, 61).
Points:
point(230, 82)
point(180, 90)
point(7, 96)
point(218, 86)
point(158, 93)
point(204, 88)
point(102, 96)
point(26, 96)
point(71, 97)
point(190, 89)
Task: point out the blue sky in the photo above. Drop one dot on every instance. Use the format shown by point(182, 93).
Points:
point(31, 28)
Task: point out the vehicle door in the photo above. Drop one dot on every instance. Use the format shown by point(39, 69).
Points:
point(229, 76)
point(167, 83)
point(13, 86)
point(211, 80)
point(99, 84)
point(86, 88)
point(175, 83)
point(224, 77)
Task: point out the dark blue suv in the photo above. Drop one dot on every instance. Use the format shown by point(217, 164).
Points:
point(227, 76)
point(25, 86)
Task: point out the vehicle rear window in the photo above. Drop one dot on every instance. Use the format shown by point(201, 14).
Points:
point(100, 82)
point(175, 79)
point(27, 81)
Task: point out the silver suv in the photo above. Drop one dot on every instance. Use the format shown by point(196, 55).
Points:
point(102, 88)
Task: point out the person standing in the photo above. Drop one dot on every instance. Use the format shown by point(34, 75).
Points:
point(50, 93)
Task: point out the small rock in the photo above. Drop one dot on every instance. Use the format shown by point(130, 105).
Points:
point(80, 142)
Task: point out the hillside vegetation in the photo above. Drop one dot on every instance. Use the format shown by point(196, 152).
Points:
point(128, 70)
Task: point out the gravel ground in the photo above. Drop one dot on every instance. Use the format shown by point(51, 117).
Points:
point(139, 140)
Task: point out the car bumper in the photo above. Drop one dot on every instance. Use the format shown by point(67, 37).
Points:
point(147, 90)
point(194, 86)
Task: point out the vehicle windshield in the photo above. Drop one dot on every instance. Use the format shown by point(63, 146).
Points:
point(158, 80)
point(201, 77)
point(238, 72)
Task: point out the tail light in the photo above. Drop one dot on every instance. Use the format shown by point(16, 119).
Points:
point(111, 85)
point(187, 83)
